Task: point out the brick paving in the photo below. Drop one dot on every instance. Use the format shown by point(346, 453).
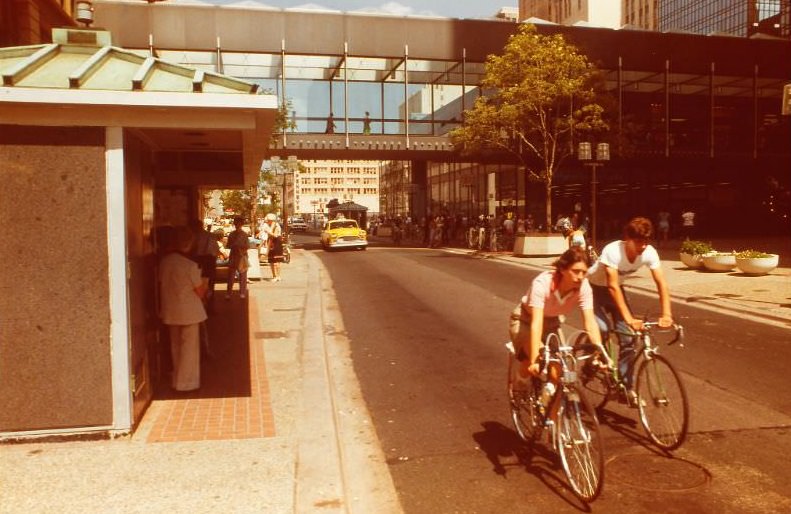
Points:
point(233, 401)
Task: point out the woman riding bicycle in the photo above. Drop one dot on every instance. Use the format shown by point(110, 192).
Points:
point(552, 294)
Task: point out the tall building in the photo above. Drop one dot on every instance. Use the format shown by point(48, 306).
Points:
point(321, 181)
point(743, 18)
point(596, 13)
point(640, 14)
point(508, 13)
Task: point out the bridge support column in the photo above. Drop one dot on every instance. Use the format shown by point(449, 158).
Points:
point(418, 194)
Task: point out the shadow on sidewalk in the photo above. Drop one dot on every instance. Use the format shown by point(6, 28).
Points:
point(225, 368)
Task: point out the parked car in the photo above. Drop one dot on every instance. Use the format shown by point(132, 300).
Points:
point(343, 233)
point(297, 225)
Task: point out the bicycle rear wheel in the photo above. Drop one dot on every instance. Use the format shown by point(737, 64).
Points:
point(595, 382)
point(524, 405)
point(662, 402)
point(579, 444)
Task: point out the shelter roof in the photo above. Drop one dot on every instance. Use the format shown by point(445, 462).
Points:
point(85, 59)
point(348, 206)
point(81, 79)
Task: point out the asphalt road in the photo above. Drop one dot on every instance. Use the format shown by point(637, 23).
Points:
point(427, 329)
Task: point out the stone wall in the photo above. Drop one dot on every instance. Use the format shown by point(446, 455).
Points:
point(54, 292)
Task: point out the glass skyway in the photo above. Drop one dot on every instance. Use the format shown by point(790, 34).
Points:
point(398, 95)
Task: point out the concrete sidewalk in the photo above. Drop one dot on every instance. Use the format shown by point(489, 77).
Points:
point(278, 426)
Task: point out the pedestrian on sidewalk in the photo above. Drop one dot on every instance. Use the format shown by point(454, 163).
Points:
point(688, 224)
point(238, 243)
point(275, 241)
point(663, 227)
point(181, 308)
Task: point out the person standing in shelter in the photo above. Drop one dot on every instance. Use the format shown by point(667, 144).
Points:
point(181, 308)
point(238, 243)
point(275, 238)
point(206, 250)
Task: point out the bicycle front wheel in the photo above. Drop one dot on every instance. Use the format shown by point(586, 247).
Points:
point(662, 402)
point(580, 446)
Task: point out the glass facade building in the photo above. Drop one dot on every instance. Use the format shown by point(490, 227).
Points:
point(735, 17)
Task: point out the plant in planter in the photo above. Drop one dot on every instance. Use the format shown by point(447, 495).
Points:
point(691, 252)
point(719, 261)
point(754, 262)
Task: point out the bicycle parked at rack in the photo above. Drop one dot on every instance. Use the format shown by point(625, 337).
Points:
point(565, 415)
point(661, 398)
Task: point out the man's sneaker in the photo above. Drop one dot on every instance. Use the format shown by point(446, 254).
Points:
point(243, 295)
point(227, 296)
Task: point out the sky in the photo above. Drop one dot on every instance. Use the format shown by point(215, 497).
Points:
point(446, 8)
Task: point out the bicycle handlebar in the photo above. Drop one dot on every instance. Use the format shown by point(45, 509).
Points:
point(679, 329)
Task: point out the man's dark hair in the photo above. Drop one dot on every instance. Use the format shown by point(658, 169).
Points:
point(639, 228)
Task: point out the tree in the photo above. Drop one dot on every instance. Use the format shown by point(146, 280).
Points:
point(539, 92)
point(238, 201)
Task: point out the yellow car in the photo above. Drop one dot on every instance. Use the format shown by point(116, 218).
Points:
point(343, 233)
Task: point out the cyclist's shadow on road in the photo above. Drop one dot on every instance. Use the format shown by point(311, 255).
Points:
point(506, 450)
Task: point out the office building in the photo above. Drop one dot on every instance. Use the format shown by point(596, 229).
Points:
point(319, 181)
point(601, 13)
point(744, 18)
point(640, 14)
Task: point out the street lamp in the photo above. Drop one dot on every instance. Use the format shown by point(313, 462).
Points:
point(602, 156)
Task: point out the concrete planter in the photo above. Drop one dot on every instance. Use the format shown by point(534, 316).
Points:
point(757, 265)
point(719, 261)
point(540, 244)
point(691, 261)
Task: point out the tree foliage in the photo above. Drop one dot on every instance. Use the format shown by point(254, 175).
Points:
point(538, 93)
point(238, 201)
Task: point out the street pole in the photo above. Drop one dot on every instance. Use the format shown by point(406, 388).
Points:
point(594, 183)
point(584, 154)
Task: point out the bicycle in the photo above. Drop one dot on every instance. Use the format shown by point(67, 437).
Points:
point(575, 435)
point(661, 398)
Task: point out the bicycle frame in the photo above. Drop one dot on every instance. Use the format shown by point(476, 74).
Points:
point(647, 347)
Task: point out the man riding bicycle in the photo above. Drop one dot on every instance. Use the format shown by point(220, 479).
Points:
point(618, 259)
